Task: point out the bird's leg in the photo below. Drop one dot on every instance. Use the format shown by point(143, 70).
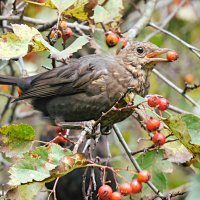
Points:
point(87, 126)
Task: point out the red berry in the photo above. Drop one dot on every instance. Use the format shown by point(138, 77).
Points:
point(63, 25)
point(111, 38)
point(153, 124)
point(124, 41)
point(136, 186)
point(172, 55)
point(159, 139)
point(163, 104)
point(105, 192)
point(153, 101)
point(143, 176)
point(116, 196)
point(125, 189)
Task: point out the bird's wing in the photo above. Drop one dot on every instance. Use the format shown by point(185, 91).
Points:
point(74, 78)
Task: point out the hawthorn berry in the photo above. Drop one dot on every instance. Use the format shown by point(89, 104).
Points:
point(124, 41)
point(172, 55)
point(159, 139)
point(163, 104)
point(63, 25)
point(136, 186)
point(105, 192)
point(125, 189)
point(111, 38)
point(116, 196)
point(143, 176)
point(153, 124)
point(153, 101)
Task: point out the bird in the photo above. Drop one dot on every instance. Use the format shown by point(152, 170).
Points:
point(87, 87)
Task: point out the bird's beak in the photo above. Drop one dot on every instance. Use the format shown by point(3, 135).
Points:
point(153, 56)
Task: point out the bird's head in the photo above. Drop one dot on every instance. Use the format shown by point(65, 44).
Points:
point(144, 54)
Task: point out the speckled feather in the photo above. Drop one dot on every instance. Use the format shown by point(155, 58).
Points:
point(89, 86)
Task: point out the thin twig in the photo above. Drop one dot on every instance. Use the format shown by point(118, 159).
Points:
point(190, 87)
point(133, 160)
point(194, 49)
point(166, 21)
point(172, 85)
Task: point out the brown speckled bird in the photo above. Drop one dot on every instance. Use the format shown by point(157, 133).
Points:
point(91, 85)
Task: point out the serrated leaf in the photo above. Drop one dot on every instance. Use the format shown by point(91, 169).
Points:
point(98, 42)
point(28, 39)
point(153, 161)
point(114, 7)
point(74, 47)
point(16, 139)
point(44, 164)
point(177, 153)
point(185, 127)
point(17, 44)
point(62, 5)
point(25, 192)
point(37, 164)
point(79, 10)
point(194, 188)
point(100, 14)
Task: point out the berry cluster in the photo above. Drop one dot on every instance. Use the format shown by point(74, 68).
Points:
point(62, 30)
point(113, 39)
point(153, 124)
point(105, 192)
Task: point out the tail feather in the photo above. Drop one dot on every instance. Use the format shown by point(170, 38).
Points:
point(8, 80)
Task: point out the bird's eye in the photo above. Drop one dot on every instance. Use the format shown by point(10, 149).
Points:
point(140, 50)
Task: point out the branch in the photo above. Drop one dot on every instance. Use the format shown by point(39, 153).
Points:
point(166, 21)
point(133, 160)
point(143, 21)
point(190, 87)
point(179, 90)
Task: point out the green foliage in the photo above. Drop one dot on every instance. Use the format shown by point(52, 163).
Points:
point(194, 188)
point(37, 165)
point(186, 128)
point(16, 139)
point(153, 161)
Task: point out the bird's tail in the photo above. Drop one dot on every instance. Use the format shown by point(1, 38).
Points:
point(8, 80)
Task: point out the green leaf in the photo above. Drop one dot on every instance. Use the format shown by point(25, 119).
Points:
point(115, 8)
point(193, 125)
point(100, 14)
point(25, 192)
point(37, 164)
point(194, 188)
point(79, 10)
point(16, 139)
point(74, 47)
point(17, 44)
point(28, 39)
point(44, 164)
point(186, 128)
point(62, 5)
point(159, 179)
point(153, 161)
